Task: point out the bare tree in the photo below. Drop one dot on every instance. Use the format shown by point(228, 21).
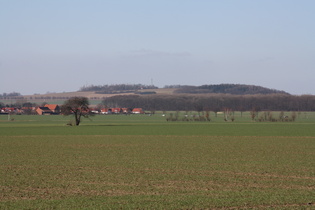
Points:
point(78, 106)
point(293, 115)
point(253, 114)
point(228, 114)
point(281, 116)
point(216, 110)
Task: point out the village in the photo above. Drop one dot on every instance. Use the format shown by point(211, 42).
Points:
point(55, 109)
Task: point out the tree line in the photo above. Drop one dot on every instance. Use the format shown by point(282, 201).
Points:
point(118, 88)
point(13, 94)
point(214, 102)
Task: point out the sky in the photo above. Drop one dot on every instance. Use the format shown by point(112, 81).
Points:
point(63, 45)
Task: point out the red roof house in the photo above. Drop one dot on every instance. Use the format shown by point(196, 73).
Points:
point(43, 110)
point(137, 111)
point(54, 108)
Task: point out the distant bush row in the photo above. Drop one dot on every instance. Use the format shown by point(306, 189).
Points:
point(200, 117)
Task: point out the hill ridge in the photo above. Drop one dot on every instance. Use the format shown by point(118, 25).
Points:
point(234, 89)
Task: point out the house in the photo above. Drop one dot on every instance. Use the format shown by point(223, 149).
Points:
point(42, 110)
point(137, 111)
point(106, 111)
point(95, 110)
point(117, 110)
point(54, 108)
point(8, 110)
point(126, 110)
point(122, 111)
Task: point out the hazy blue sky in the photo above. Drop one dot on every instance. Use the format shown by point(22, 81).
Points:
point(62, 45)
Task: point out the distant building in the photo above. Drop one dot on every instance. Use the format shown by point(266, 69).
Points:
point(43, 111)
point(106, 111)
point(121, 111)
point(54, 108)
point(137, 111)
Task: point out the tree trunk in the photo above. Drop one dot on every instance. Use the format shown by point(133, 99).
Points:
point(77, 118)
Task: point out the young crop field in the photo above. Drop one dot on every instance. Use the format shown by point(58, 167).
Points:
point(146, 162)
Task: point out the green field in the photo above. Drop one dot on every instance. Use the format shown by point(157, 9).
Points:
point(144, 162)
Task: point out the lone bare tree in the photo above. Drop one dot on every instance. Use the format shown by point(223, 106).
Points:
point(78, 106)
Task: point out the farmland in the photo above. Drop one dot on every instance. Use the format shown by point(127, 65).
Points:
point(145, 162)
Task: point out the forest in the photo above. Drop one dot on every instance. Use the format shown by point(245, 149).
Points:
point(214, 102)
point(235, 89)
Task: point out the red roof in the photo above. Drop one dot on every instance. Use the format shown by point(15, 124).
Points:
point(51, 106)
point(138, 110)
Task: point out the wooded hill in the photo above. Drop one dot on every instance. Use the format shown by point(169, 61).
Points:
point(215, 98)
point(177, 97)
point(234, 89)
